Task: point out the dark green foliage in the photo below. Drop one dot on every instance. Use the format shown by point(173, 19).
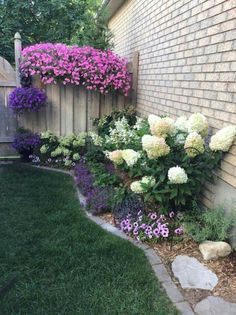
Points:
point(65, 21)
point(66, 264)
point(209, 225)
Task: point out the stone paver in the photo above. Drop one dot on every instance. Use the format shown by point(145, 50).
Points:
point(184, 308)
point(161, 273)
point(152, 257)
point(192, 274)
point(173, 291)
point(213, 305)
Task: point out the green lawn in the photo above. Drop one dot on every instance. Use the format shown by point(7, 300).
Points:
point(64, 263)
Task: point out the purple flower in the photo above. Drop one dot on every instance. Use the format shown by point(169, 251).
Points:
point(171, 214)
point(179, 231)
point(153, 216)
point(27, 99)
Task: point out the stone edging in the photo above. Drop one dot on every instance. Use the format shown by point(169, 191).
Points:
point(158, 267)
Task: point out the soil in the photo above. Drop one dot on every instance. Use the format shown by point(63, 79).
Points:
point(224, 268)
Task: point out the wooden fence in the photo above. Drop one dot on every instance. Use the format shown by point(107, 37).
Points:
point(71, 109)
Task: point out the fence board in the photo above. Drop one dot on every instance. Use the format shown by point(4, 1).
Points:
point(71, 109)
point(80, 110)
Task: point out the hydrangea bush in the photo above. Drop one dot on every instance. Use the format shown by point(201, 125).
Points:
point(27, 99)
point(174, 155)
point(92, 68)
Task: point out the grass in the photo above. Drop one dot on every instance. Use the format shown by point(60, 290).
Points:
point(64, 263)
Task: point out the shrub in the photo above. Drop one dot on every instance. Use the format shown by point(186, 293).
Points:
point(210, 225)
point(26, 99)
point(99, 199)
point(84, 178)
point(174, 153)
point(25, 142)
point(125, 205)
point(92, 68)
point(107, 122)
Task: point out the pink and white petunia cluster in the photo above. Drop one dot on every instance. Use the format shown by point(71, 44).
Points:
point(95, 69)
point(150, 227)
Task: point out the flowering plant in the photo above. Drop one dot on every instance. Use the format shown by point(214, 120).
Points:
point(151, 227)
point(27, 99)
point(25, 142)
point(173, 153)
point(92, 68)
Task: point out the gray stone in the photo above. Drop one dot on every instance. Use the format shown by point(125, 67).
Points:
point(112, 229)
point(192, 274)
point(184, 308)
point(97, 220)
point(215, 306)
point(211, 250)
point(161, 273)
point(173, 292)
point(152, 257)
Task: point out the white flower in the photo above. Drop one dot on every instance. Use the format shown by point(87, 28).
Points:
point(177, 175)
point(121, 134)
point(116, 157)
point(44, 149)
point(155, 146)
point(223, 139)
point(136, 187)
point(198, 122)
point(161, 127)
point(182, 124)
point(194, 144)
point(139, 123)
point(130, 156)
point(97, 140)
point(180, 138)
point(148, 180)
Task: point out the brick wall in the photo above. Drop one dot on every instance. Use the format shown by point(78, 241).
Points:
point(187, 63)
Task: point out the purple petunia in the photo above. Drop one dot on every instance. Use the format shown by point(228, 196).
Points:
point(26, 99)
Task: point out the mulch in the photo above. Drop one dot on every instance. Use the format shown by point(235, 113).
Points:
point(224, 268)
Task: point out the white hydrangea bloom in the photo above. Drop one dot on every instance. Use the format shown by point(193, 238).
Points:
point(44, 149)
point(177, 175)
point(130, 156)
point(181, 124)
point(155, 146)
point(136, 187)
point(161, 127)
point(198, 123)
point(116, 157)
point(148, 180)
point(223, 139)
point(139, 123)
point(194, 144)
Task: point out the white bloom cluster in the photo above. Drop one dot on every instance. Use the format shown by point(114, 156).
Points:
point(137, 186)
point(177, 175)
point(223, 139)
point(139, 123)
point(161, 127)
point(155, 146)
point(130, 156)
point(97, 140)
point(198, 123)
point(194, 144)
point(115, 157)
point(122, 133)
point(181, 124)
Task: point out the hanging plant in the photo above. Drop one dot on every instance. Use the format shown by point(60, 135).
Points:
point(27, 99)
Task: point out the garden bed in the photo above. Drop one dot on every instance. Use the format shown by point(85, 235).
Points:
point(224, 268)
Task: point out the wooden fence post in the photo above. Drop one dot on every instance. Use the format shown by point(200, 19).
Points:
point(18, 48)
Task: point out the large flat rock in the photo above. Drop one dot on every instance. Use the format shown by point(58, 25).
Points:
point(192, 274)
point(215, 306)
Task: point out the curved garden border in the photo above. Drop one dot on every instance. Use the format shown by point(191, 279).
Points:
point(158, 267)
